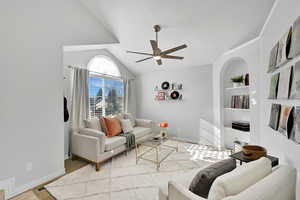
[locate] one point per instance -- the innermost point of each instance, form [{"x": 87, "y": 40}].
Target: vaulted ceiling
[{"x": 208, "y": 27}]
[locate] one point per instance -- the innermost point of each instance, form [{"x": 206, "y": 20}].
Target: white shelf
[
  {"x": 238, "y": 88},
  {"x": 236, "y": 130},
  {"x": 237, "y": 109}
]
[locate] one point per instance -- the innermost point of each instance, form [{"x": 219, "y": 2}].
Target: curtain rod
[{"x": 105, "y": 75}]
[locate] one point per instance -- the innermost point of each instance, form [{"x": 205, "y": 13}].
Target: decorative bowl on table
[{"x": 254, "y": 152}]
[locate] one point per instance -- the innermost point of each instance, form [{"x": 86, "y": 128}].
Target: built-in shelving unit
[{"x": 231, "y": 114}]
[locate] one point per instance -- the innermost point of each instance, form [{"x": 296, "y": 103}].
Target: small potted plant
[{"x": 237, "y": 81}]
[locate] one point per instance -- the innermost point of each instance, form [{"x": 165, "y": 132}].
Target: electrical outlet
[{"x": 29, "y": 167}]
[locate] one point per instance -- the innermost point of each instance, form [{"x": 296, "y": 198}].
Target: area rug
[{"x": 122, "y": 179}]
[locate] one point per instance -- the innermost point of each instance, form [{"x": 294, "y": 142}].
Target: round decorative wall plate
[
  {"x": 165, "y": 85},
  {"x": 174, "y": 95}
]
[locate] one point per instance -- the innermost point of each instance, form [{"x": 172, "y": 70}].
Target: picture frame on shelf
[
  {"x": 274, "y": 86},
  {"x": 295, "y": 82},
  {"x": 284, "y": 85},
  {"x": 295, "y": 135},
  {"x": 285, "y": 122},
  {"x": 295, "y": 46},
  {"x": 274, "y": 116}
]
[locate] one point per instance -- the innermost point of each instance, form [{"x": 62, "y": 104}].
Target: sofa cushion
[
  {"x": 239, "y": 179},
  {"x": 103, "y": 125},
  {"x": 93, "y": 124},
  {"x": 202, "y": 182},
  {"x": 126, "y": 126},
  {"x": 114, "y": 142},
  {"x": 141, "y": 131},
  {"x": 113, "y": 126},
  {"x": 131, "y": 118}
]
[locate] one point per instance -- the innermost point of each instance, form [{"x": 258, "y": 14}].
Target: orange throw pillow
[
  {"x": 113, "y": 126},
  {"x": 103, "y": 125}
]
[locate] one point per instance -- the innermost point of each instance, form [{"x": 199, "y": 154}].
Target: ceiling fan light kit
[{"x": 157, "y": 54}]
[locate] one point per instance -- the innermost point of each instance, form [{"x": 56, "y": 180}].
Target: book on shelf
[{"x": 240, "y": 101}]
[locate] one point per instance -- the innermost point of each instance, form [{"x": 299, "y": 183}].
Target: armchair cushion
[
  {"x": 240, "y": 179},
  {"x": 202, "y": 182}
]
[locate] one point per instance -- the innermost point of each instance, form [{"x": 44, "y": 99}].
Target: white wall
[
  {"x": 31, "y": 83},
  {"x": 284, "y": 14},
  {"x": 183, "y": 116},
  {"x": 250, "y": 55},
  {"x": 81, "y": 59},
  {"x": 256, "y": 53}
]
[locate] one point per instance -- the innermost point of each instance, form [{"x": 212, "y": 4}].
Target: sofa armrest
[
  {"x": 85, "y": 146},
  {"x": 144, "y": 123},
  {"x": 95, "y": 133},
  {"x": 178, "y": 192}
]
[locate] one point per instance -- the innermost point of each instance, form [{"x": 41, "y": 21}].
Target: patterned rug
[{"x": 122, "y": 179}]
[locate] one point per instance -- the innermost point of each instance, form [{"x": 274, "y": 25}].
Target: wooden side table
[{"x": 240, "y": 157}]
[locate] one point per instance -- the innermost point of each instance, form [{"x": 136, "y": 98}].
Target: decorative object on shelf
[
  {"x": 284, "y": 47},
  {"x": 274, "y": 116},
  {"x": 295, "y": 89},
  {"x": 165, "y": 85},
  {"x": 295, "y": 134},
  {"x": 242, "y": 158},
  {"x": 284, "y": 84},
  {"x": 247, "y": 79},
  {"x": 240, "y": 101},
  {"x": 175, "y": 95},
  {"x": 254, "y": 152},
  {"x": 164, "y": 129},
  {"x": 296, "y": 38},
  {"x": 274, "y": 86},
  {"x": 273, "y": 58},
  {"x": 237, "y": 81},
  {"x": 241, "y": 125},
  {"x": 168, "y": 91},
  {"x": 286, "y": 120}
]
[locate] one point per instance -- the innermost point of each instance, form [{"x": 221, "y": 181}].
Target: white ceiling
[{"x": 208, "y": 27}]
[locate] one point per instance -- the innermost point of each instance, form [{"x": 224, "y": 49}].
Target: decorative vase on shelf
[{"x": 247, "y": 79}]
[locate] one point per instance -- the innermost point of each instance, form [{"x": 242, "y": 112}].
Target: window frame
[{"x": 106, "y": 77}]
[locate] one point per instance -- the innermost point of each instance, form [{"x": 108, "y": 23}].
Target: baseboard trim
[{"x": 35, "y": 183}]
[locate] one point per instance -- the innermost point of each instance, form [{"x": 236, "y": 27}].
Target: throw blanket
[{"x": 130, "y": 139}]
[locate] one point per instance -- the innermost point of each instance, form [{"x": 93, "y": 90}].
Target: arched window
[
  {"x": 106, "y": 88},
  {"x": 103, "y": 65}
]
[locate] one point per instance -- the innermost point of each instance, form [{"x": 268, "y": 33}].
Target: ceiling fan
[{"x": 157, "y": 54}]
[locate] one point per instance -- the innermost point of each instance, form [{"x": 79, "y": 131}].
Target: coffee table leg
[
  {"x": 136, "y": 154},
  {"x": 157, "y": 162},
  {"x": 241, "y": 162}
]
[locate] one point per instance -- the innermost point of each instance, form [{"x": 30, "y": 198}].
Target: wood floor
[{"x": 40, "y": 193}]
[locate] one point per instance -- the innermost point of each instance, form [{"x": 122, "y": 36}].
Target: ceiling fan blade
[
  {"x": 153, "y": 44},
  {"x": 148, "y": 54},
  {"x": 159, "y": 62},
  {"x": 143, "y": 59},
  {"x": 172, "y": 57},
  {"x": 174, "y": 49}
]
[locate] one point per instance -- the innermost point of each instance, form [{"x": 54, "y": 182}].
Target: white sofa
[
  {"x": 278, "y": 184},
  {"x": 92, "y": 145}
]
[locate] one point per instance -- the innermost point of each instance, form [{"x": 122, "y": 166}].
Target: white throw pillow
[
  {"x": 126, "y": 125},
  {"x": 93, "y": 124},
  {"x": 130, "y": 117},
  {"x": 240, "y": 179}
]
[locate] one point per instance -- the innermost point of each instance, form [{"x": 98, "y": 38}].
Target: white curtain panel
[
  {"x": 126, "y": 95},
  {"x": 80, "y": 97}
]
